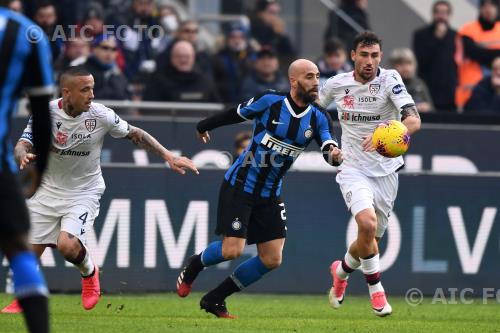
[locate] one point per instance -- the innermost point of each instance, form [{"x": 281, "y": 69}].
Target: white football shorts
[
  {"x": 49, "y": 216},
  {"x": 361, "y": 192}
]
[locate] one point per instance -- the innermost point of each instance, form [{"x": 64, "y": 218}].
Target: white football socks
[
  {"x": 369, "y": 267},
  {"x": 352, "y": 262},
  {"x": 86, "y": 267}
]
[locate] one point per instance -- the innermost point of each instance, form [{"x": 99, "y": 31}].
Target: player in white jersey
[
  {"x": 67, "y": 202},
  {"x": 366, "y": 97}
]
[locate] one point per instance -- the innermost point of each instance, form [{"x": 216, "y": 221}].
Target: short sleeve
[
  {"x": 254, "y": 107},
  {"x": 324, "y": 131},
  {"x": 396, "y": 90},
  {"x": 28, "y": 132},
  {"x": 118, "y": 128},
  {"x": 327, "y": 93}
]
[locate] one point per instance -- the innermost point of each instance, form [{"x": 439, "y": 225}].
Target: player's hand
[
  {"x": 203, "y": 137},
  {"x": 26, "y": 160},
  {"x": 181, "y": 164},
  {"x": 336, "y": 154},
  {"x": 367, "y": 143}
]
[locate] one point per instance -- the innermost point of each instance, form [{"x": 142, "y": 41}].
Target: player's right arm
[
  {"x": 244, "y": 111},
  {"x": 327, "y": 93},
  {"x": 23, "y": 153}
]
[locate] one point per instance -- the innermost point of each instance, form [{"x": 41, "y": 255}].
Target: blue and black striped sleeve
[
  {"x": 39, "y": 79},
  {"x": 244, "y": 111},
  {"x": 255, "y": 106},
  {"x": 325, "y": 136}
]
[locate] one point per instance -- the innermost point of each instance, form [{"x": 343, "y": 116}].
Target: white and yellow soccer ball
[{"x": 391, "y": 139}]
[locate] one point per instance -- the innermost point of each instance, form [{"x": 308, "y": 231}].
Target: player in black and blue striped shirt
[
  {"x": 25, "y": 62},
  {"x": 250, "y": 208}
]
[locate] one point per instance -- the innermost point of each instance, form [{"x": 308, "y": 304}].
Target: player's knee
[
  {"x": 367, "y": 225},
  {"x": 271, "y": 261},
  {"x": 231, "y": 252}
]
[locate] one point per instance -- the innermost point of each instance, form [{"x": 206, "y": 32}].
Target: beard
[{"x": 305, "y": 96}]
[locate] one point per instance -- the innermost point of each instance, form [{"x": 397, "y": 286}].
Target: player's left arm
[
  {"x": 326, "y": 140},
  {"x": 410, "y": 118},
  {"x": 146, "y": 141}
]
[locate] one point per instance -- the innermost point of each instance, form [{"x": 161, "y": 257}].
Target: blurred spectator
[
  {"x": 110, "y": 83},
  {"x": 268, "y": 28},
  {"x": 76, "y": 51},
  {"x": 486, "y": 94},
  {"x": 266, "y": 75},
  {"x": 93, "y": 21},
  {"x": 45, "y": 16},
  {"x": 189, "y": 31},
  {"x": 333, "y": 61},
  {"x": 136, "y": 40},
  {"x": 233, "y": 62},
  {"x": 179, "y": 81},
  {"x": 16, "y": 5},
  {"x": 403, "y": 60},
  {"x": 337, "y": 27},
  {"x": 434, "y": 47},
  {"x": 169, "y": 20},
  {"x": 478, "y": 45},
  {"x": 241, "y": 142}
]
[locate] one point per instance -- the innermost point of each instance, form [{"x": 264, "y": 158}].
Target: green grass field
[{"x": 257, "y": 313}]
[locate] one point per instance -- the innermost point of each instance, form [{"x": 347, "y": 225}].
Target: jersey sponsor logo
[
  {"x": 359, "y": 117},
  {"x": 397, "y": 89},
  {"x": 281, "y": 147},
  {"x": 80, "y": 136},
  {"x": 348, "y": 102},
  {"x": 367, "y": 99},
  {"x": 374, "y": 88},
  {"x": 90, "y": 124},
  {"x": 62, "y": 138},
  {"x": 77, "y": 153},
  {"x": 308, "y": 133}
]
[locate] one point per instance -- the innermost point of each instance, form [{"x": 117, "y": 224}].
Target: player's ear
[{"x": 353, "y": 54}]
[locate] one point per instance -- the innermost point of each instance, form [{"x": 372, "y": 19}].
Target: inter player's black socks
[
  {"x": 36, "y": 313},
  {"x": 223, "y": 290},
  {"x": 196, "y": 264}
]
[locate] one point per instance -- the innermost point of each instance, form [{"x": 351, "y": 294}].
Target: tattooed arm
[
  {"x": 411, "y": 118},
  {"x": 144, "y": 140}
]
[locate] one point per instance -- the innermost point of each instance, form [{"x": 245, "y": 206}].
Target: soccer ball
[{"x": 391, "y": 139}]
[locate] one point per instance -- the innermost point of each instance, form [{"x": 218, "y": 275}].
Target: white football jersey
[
  {"x": 361, "y": 107},
  {"x": 74, "y": 166}
]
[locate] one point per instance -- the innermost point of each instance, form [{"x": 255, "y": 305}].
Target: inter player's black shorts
[
  {"x": 14, "y": 218},
  {"x": 243, "y": 215}
]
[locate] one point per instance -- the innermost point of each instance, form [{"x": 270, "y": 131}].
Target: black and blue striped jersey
[
  {"x": 281, "y": 131},
  {"x": 25, "y": 61}
]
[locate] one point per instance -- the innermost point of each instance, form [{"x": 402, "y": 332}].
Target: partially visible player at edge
[
  {"x": 25, "y": 64},
  {"x": 67, "y": 202},
  {"x": 368, "y": 181},
  {"x": 250, "y": 207}
]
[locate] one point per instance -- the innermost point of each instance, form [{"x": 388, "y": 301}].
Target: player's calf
[
  {"x": 371, "y": 269},
  {"x": 212, "y": 255}
]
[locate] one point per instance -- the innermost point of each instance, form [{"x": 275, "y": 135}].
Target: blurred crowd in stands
[{"x": 156, "y": 54}]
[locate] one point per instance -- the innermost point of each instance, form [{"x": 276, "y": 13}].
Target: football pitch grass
[{"x": 258, "y": 313}]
